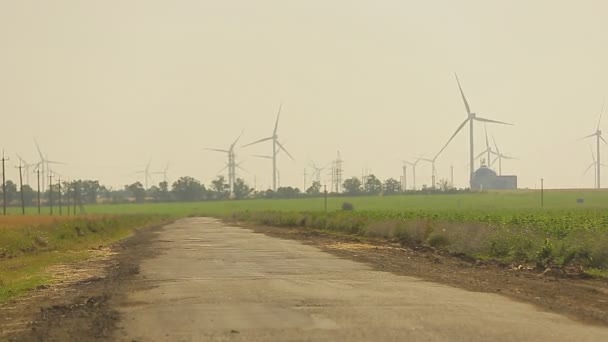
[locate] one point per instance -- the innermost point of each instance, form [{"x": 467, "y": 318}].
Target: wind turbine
[
  {"x": 164, "y": 172},
  {"x": 413, "y": 165},
  {"x": 499, "y": 156},
  {"x": 471, "y": 117},
  {"x": 487, "y": 151},
  {"x": 146, "y": 173},
  {"x": 44, "y": 164},
  {"x": 432, "y": 161},
  {"x": 232, "y": 164},
  {"x": 317, "y": 170},
  {"x": 276, "y": 147},
  {"x": 26, "y": 168},
  {"x": 598, "y": 136}
]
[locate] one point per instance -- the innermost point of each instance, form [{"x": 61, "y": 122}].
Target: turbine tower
[
  {"x": 231, "y": 165},
  {"x": 471, "y": 117},
  {"x": 146, "y": 173},
  {"x": 26, "y": 168},
  {"x": 413, "y": 165},
  {"x": 499, "y": 156},
  {"x": 434, "y": 171},
  {"x": 593, "y": 164},
  {"x": 598, "y": 136},
  {"x": 43, "y": 165},
  {"x": 276, "y": 147},
  {"x": 164, "y": 172}
]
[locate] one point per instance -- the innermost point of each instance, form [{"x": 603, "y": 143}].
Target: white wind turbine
[
  {"x": 499, "y": 157},
  {"x": 43, "y": 165},
  {"x": 26, "y": 168},
  {"x": 413, "y": 165},
  {"x": 232, "y": 165},
  {"x": 433, "y": 171},
  {"x": 598, "y": 136},
  {"x": 471, "y": 117},
  {"x": 146, "y": 172},
  {"x": 164, "y": 172},
  {"x": 276, "y": 147}
]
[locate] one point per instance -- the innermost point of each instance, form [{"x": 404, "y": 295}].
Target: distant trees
[
  {"x": 392, "y": 186},
  {"x": 137, "y": 191},
  {"x": 315, "y": 189},
  {"x": 188, "y": 189},
  {"x": 241, "y": 189},
  {"x": 352, "y": 186},
  {"x": 373, "y": 186}
]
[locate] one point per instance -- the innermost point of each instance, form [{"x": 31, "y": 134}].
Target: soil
[
  {"x": 78, "y": 308},
  {"x": 84, "y": 310},
  {"x": 568, "y": 292}
]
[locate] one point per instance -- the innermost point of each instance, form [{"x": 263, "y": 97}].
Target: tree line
[{"x": 189, "y": 189}]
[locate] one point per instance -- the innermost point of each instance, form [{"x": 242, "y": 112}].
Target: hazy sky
[{"x": 106, "y": 85}]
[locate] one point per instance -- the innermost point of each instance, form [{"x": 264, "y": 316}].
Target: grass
[
  {"x": 508, "y": 226},
  {"x": 30, "y": 245}
]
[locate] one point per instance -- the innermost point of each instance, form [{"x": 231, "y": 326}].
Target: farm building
[{"x": 485, "y": 178}]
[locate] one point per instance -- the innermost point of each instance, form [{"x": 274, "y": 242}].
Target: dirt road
[{"x": 215, "y": 282}]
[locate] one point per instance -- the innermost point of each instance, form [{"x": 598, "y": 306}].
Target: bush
[{"x": 346, "y": 206}]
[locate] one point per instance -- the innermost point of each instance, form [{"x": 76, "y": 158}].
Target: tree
[
  {"x": 287, "y": 192},
  {"x": 11, "y": 191},
  {"x": 220, "y": 187},
  {"x": 373, "y": 185},
  {"x": 163, "y": 191},
  {"x": 315, "y": 189},
  {"x": 137, "y": 190},
  {"x": 392, "y": 186},
  {"x": 188, "y": 189},
  {"x": 28, "y": 195},
  {"x": 352, "y": 186},
  {"x": 241, "y": 189}
]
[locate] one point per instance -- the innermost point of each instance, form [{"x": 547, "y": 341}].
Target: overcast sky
[{"x": 106, "y": 85}]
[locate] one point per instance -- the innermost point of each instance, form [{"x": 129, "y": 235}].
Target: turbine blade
[
  {"x": 284, "y": 150},
  {"x": 495, "y": 145},
  {"x": 604, "y": 140},
  {"x": 237, "y": 139},
  {"x": 217, "y": 150},
  {"x": 494, "y": 161},
  {"x": 589, "y": 167},
  {"x": 588, "y": 136},
  {"x": 38, "y": 148},
  {"x": 487, "y": 141},
  {"x": 261, "y": 156},
  {"x": 481, "y": 154},
  {"x": 276, "y": 124},
  {"x": 492, "y": 121},
  {"x": 601, "y": 113},
  {"x": 592, "y": 154},
  {"x": 55, "y": 162},
  {"x": 452, "y": 137},
  {"x": 466, "y": 103},
  {"x": 257, "y": 142}
]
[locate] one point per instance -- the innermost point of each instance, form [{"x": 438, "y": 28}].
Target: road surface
[{"x": 216, "y": 282}]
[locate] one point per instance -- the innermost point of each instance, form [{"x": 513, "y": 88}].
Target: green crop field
[
  {"x": 522, "y": 200},
  {"x": 507, "y": 226}
]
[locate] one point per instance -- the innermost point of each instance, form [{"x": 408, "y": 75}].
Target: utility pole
[
  {"x": 325, "y": 195},
  {"x": 21, "y": 187},
  {"x": 67, "y": 193},
  {"x": 304, "y": 189},
  {"x": 51, "y": 191},
  {"x": 3, "y": 185},
  {"x": 542, "y": 193},
  {"x": 76, "y": 196},
  {"x": 38, "y": 175},
  {"x": 59, "y": 195}
]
